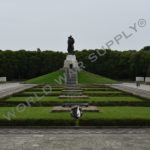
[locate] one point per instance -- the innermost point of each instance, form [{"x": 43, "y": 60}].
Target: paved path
[
  {"x": 143, "y": 90},
  {"x": 142, "y": 86},
  {"x": 69, "y": 139},
  {"x": 7, "y": 89}
]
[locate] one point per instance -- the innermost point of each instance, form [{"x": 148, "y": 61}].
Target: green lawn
[
  {"x": 43, "y": 89},
  {"x": 106, "y": 113},
  {"x": 84, "y": 78},
  {"x": 117, "y": 116},
  {"x": 33, "y": 113},
  {"x": 116, "y": 98},
  {"x": 90, "y": 78},
  {"x": 120, "y": 113},
  {"x": 41, "y": 99},
  {"x": 50, "y": 78},
  {"x": 54, "y": 98},
  {"x": 36, "y": 116},
  {"x": 41, "y": 92},
  {"x": 99, "y": 89},
  {"x": 107, "y": 92},
  {"x": 116, "y": 107},
  {"x": 59, "y": 92}
]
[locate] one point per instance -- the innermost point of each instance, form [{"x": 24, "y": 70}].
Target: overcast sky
[{"x": 28, "y": 24}]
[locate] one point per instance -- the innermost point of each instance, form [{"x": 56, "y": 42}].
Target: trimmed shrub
[
  {"x": 38, "y": 122},
  {"x": 114, "y": 122}
]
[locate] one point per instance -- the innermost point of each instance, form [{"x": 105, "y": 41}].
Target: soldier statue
[{"x": 71, "y": 42}]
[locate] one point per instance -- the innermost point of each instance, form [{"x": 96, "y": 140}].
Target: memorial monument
[
  {"x": 71, "y": 69},
  {"x": 71, "y": 64},
  {"x": 72, "y": 89}
]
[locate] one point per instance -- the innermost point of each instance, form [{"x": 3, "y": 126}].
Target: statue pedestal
[
  {"x": 71, "y": 62},
  {"x": 72, "y": 89},
  {"x": 71, "y": 70}
]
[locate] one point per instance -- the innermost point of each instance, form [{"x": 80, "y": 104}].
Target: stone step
[
  {"x": 71, "y": 82},
  {"x": 70, "y": 77},
  {"x": 73, "y": 97},
  {"x": 75, "y": 104},
  {"x": 68, "y": 109},
  {"x": 72, "y": 90},
  {"x": 71, "y": 86},
  {"x": 72, "y": 93}
]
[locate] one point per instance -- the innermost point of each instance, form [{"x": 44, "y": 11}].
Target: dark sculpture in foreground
[
  {"x": 76, "y": 112},
  {"x": 71, "y": 42}
]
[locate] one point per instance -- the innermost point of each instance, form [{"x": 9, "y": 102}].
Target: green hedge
[
  {"x": 99, "y": 89},
  {"x": 105, "y": 94},
  {"x": 38, "y": 122},
  {"x": 41, "y": 90},
  {"x": 38, "y": 94},
  {"x": 95, "y": 103},
  {"x": 53, "y": 86},
  {"x": 114, "y": 122},
  {"x": 82, "y": 122}
]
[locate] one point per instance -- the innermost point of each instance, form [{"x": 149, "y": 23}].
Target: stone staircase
[
  {"x": 71, "y": 77},
  {"x": 72, "y": 89}
]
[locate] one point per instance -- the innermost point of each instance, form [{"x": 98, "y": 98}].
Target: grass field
[
  {"x": 50, "y": 78},
  {"x": 106, "y": 113},
  {"x": 107, "y": 116},
  {"x": 33, "y": 106},
  {"x": 54, "y": 98},
  {"x": 127, "y": 100},
  {"x": 84, "y": 78},
  {"x": 90, "y": 78}
]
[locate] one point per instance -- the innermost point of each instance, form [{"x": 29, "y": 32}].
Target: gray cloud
[{"x": 29, "y": 24}]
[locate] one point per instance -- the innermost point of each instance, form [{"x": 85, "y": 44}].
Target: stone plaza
[{"x": 73, "y": 139}]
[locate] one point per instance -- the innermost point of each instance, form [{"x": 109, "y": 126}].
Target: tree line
[
  {"x": 20, "y": 65},
  {"x": 120, "y": 65}
]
